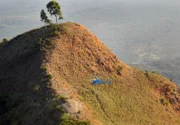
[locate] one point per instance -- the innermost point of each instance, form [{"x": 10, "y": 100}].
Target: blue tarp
[{"x": 98, "y": 81}]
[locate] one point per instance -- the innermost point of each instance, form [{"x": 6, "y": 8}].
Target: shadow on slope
[{"x": 26, "y": 95}]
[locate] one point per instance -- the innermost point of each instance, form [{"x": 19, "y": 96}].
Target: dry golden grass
[
  {"x": 72, "y": 59},
  {"x": 132, "y": 99}
]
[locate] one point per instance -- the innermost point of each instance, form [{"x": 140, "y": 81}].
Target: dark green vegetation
[
  {"x": 3, "y": 42},
  {"x": 44, "y": 17},
  {"x": 54, "y": 8}
]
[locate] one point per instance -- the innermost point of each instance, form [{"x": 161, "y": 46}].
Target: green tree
[
  {"x": 44, "y": 17},
  {"x": 54, "y": 8}
]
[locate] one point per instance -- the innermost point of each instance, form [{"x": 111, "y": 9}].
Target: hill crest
[{"x": 54, "y": 68}]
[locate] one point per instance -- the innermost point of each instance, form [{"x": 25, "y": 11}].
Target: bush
[
  {"x": 37, "y": 87},
  {"x": 62, "y": 98},
  {"x": 44, "y": 44},
  {"x": 66, "y": 120},
  {"x": 146, "y": 73},
  {"x": 49, "y": 76},
  {"x": 71, "y": 122},
  {"x": 164, "y": 101},
  {"x": 119, "y": 70},
  {"x": 5, "y": 40}
]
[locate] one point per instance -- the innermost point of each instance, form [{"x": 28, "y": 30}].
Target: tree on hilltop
[
  {"x": 44, "y": 17},
  {"x": 54, "y": 9}
]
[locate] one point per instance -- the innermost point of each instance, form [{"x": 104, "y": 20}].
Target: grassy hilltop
[{"x": 46, "y": 79}]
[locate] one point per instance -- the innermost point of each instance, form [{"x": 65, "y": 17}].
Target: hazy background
[{"x": 143, "y": 33}]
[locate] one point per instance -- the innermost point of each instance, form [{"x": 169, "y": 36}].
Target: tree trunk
[{"x": 56, "y": 19}]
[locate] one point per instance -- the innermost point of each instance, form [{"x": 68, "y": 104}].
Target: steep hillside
[{"x": 46, "y": 78}]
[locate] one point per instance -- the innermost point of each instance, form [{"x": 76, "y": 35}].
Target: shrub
[
  {"x": 62, "y": 98},
  {"x": 119, "y": 69},
  {"x": 5, "y": 40},
  {"x": 146, "y": 73},
  {"x": 37, "y": 87},
  {"x": 48, "y": 76},
  {"x": 43, "y": 69},
  {"x": 164, "y": 101},
  {"x": 66, "y": 120},
  {"x": 71, "y": 122}
]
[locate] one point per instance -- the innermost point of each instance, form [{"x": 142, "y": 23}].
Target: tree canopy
[
  {"x": 54, "y": 8},
  {"x": 44, "y": 17}
]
